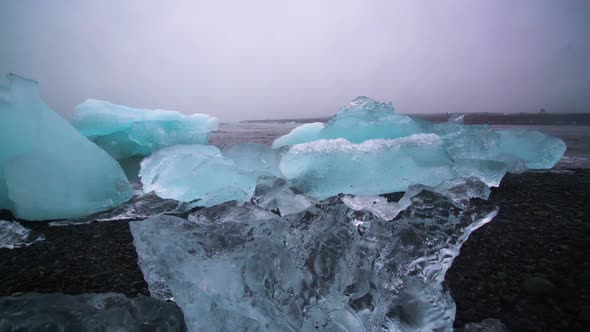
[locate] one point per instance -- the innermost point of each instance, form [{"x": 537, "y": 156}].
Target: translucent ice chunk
[
  {"x": 305, "y": 133},
  {"x": 459, "y": 191},
  {"x": 363, "y": 119},
  {"x": 48, "y": 170},
  {"x": 327, "y": 167},
  {"x": 328, "y": 268},
  {"x": 203, "y": 173},
  {"x": 274, "y": 194},
  {"x": 140, "y": 206},
  {"x": 124, "y": 131},
  {"x": 88, "y": 312},
  {"x": 14, "y": 235}
]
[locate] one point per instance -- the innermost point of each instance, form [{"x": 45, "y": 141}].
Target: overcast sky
[{"x": 292, "y": 59}]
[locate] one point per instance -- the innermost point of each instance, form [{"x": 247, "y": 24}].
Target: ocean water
[{"x": 577, "y": 137}]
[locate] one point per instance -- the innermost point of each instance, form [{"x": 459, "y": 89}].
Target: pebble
[
  {"x": 538, "y": 286},
  {"x": 584, "y": 314}
]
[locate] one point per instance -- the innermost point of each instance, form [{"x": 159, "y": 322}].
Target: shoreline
[{"x": 540, "y": 233}]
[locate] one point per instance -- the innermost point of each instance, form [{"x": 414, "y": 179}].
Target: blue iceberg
[
  {"x": 368, "y": 149},
  {"x": 365, "y": 119},
  {"x": 48, "y": 170},
  {"x": 206, "y": 175},
  {"x": 125, "y": 132}
]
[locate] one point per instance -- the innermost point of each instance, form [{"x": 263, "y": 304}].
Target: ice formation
[
  {"x": 459, "y": 191},
  {"x": 325, "y": 168},
  {"x": 205, "y": 175},
  {"x": 243, "y": 268},
  {"x": 14, "y": 235},
  {"x": 140, "y": 206},
  {"x": 274, "y": 194},
  {"x": 124, "y": 131},
  {"x": 365, "y": 119},
  {"x": 48, "y": 170},
  {"x": 88, "y": 312}
]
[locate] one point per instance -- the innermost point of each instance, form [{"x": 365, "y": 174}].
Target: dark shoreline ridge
[{"x": 529, "y": 267}]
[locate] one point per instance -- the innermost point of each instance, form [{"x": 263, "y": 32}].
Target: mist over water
[{"x": 298, "y": 59}]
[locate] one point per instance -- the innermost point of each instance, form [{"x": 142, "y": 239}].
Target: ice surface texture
[
  {"x": 207, "y": 175},
  {"x": 124, "y": 131},
  {"x": 365, "y": 119},
  {"x": 14, "y": 235},
  {"x": 88, "y": 312},
  {"x": 329, "y": 268},
  {"x": 48, "y": 170}
]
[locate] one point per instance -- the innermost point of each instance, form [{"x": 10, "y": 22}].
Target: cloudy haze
[{"x": 291, "y": 59}]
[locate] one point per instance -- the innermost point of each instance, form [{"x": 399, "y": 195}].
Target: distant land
[{"x": 539, "y": 119}]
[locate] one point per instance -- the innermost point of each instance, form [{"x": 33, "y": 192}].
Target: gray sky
[{"x": 291, "y": 59}]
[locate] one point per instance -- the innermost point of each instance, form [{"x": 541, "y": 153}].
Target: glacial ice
[
  {"x": 140, "y": 206},
  {"x": 48, "y": 170},
  {"x": 205, "y": 175},
  {"x": 459, "y": 191},
  {"x": 14, "y": 235},
  {"x": 88, "y": 312},
  {"x": 274, "y": 194},
  {"x": 125, "y": 132},
  {"x": 365, "y": 119},
  {"x": 242, "y": 268},
  {"x": 326, "y": 168}
]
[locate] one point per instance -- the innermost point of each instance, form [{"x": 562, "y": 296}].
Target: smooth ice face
[
  {"x": 14, "y": 235},
  {"x": 88, "y": 312},
  {"x": 124, "y": 131},
  {"x": 206, "y": 176},
  {"x": 363, "y": 119},
  {"x": 48, "y": 170},
  {"x": 305, "y": 133},
  {"x": 329, "y": 268},
  {"x": 326, "y": 168},
  {"x": 519, "y": 149}
]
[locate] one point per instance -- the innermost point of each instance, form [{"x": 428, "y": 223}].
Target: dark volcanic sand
[{"x": 541, "y": 232}]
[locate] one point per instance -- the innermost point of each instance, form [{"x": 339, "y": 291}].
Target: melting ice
[
  {"x": 329, "y": 268},
  {"x": 48, "y": 170},
  {"x": 125, "y": 132}
]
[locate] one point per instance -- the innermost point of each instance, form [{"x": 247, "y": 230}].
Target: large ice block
[
  {"x": 88, "y": 312},
  {"x": 124, "y": 131},
  {"x": 365, "y": 119},
  {"x": 328, "y": 268},
  {"x": 205, "y": 175},
  {"x": 48, "y": 170},
  {"x": 326, "y": 168}
]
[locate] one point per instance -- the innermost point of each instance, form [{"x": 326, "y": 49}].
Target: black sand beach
[{"x": 529, "y": 267}]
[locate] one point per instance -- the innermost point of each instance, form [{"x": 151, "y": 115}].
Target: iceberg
[
  {"x": 242, "y": 268},
  {"x": 125, "y": 132},
  {"x": 363, "y": 119},
  {"x": 325, "y": 168},
  {"x": 88, "y": 312},
  {"x": 205, "y": 175},
  {"x": 366, "y": 119},
  {"x": 48, "y": 170},
  {"x": 14, "y": 235}
]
